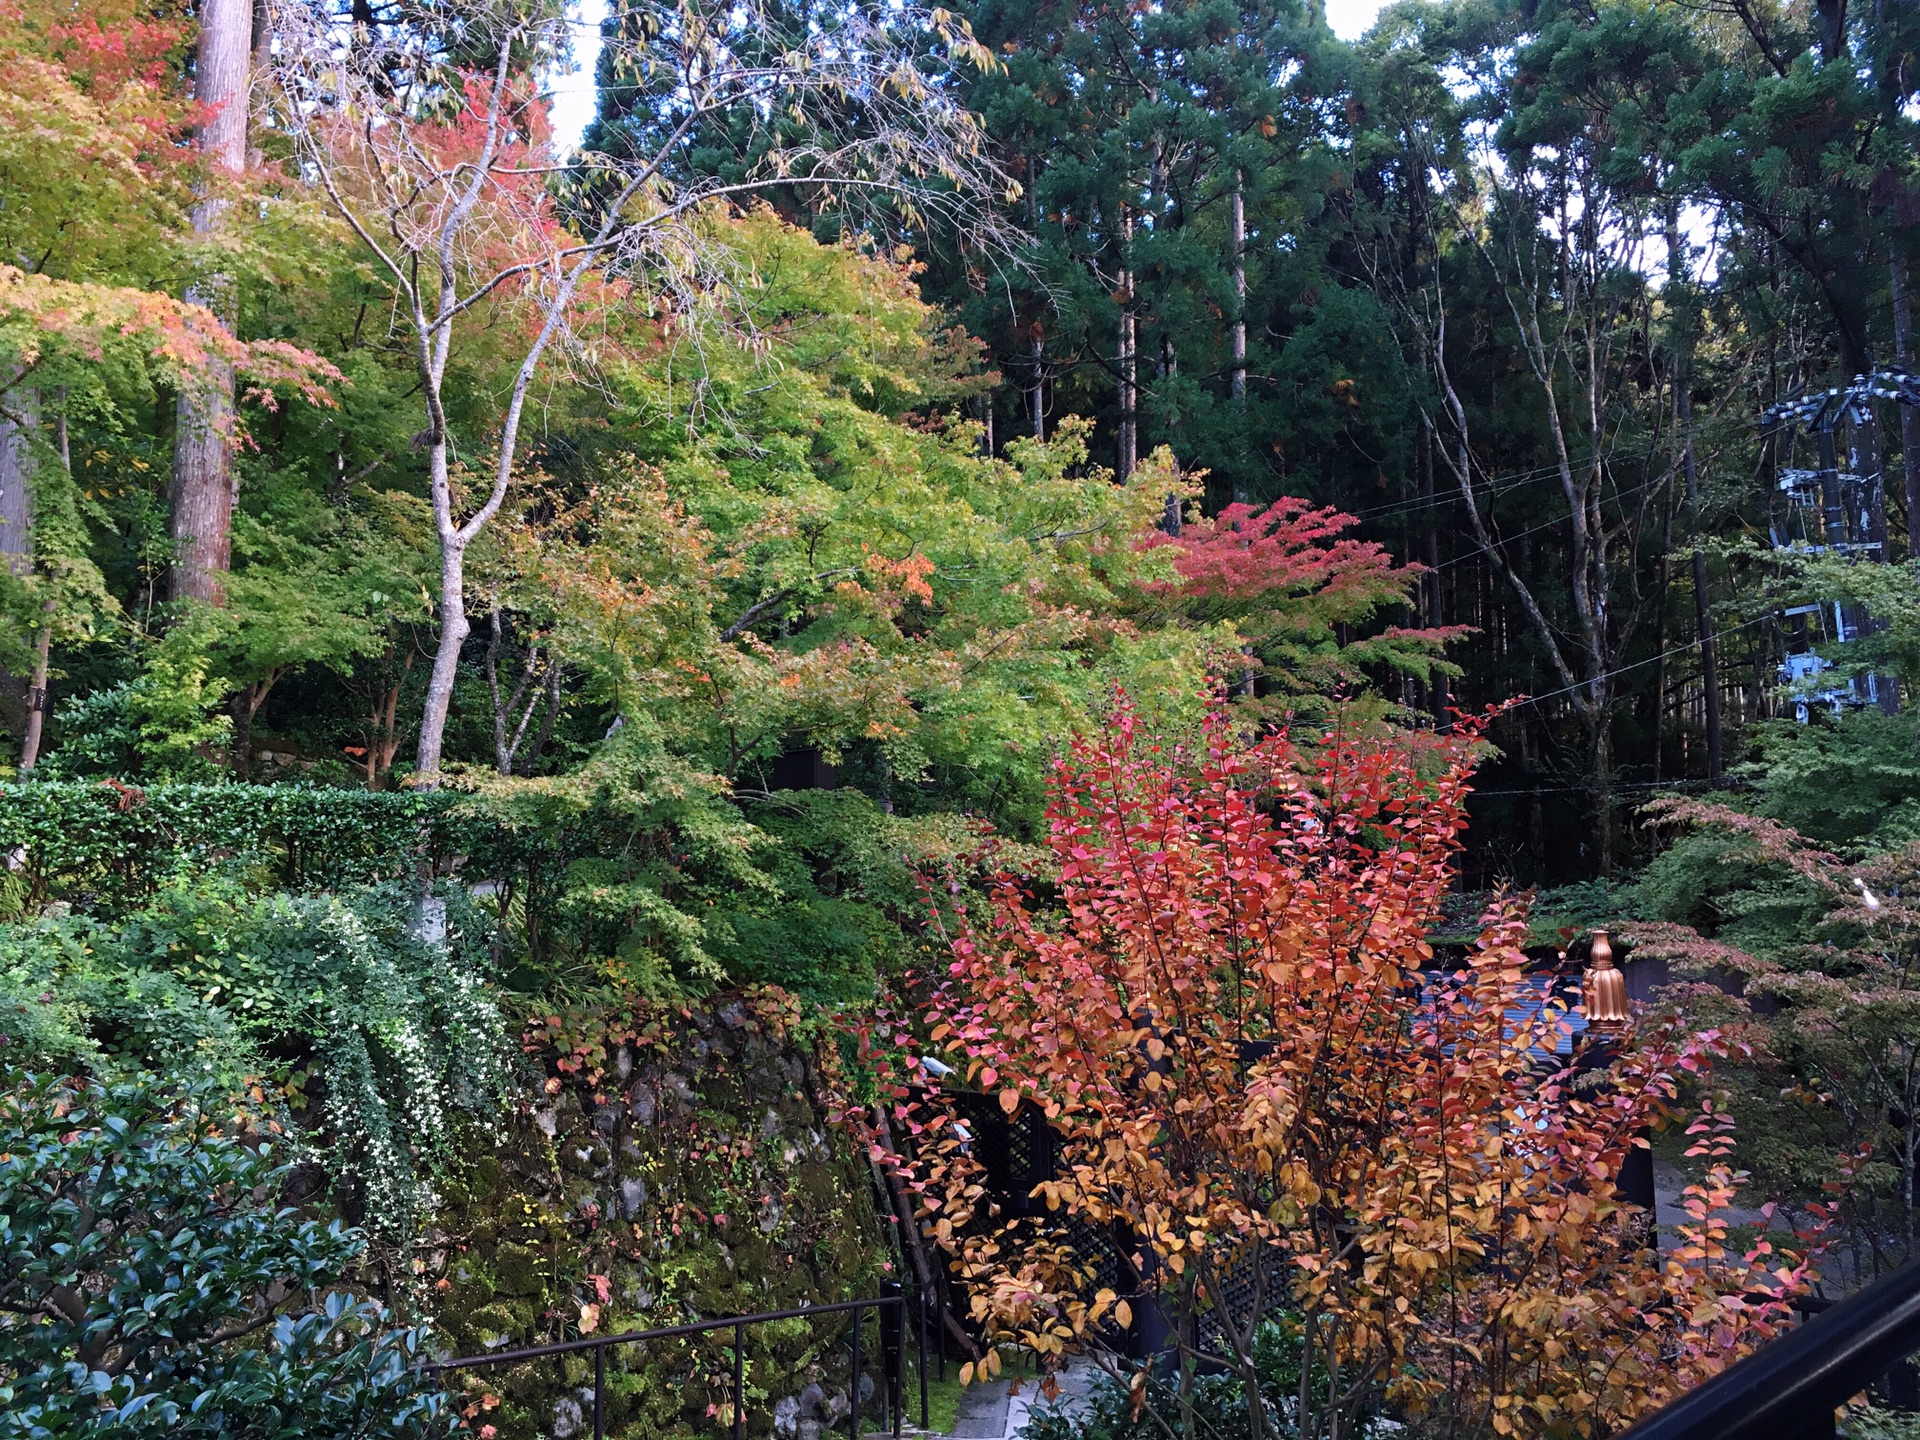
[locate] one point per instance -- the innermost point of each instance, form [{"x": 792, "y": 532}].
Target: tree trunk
[
  {"x": 1238, "y": 382},
  {"x": 1663, "y": 589},
  {"x": 1909, "y": 414},
  {"x": 1169, "y": 375},
  {"x": 245, "y": 709},
  {"x": 203, "y": 470},
  {"x": 17, "y": 417},
  {"x": 1036, "y": 349},
  {"x": 202, "y": 488},
  {"x": 1678, "y": 274},
  {"x": 524, "y": 698},
  {"x": 1432, "y": 609},
  {"x": 383, "y": 737},
  {"x": 454, "y": 629},
  {"x": 1703, "y": 621},
  {"x": 553, "y": 714},
  {"x": 1036, "y": 337},
  {"x": 1127, "y": 450},
  {"x": 1602, "y": 722},
  {"x": 1830, "y": 23},
  {"x": 260, "y": 62},
  {"x": 36, "y": 702},
  {"x": 1239, "y": 222},
  {"x": 1863, "y": 460},
  {"x": 16, "y": 468},
  {"x": 37, "y": 698}
]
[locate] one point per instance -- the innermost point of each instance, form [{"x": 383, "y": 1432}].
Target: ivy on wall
[
  {"x": 384, "y": 1047},
  {"x": 677, "y": 1163}
]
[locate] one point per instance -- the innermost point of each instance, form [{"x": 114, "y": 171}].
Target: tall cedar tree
[{"x": 203, "y": 465}]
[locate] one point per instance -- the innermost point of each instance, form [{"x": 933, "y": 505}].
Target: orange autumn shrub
[{"x": 1264, "y": 1096}]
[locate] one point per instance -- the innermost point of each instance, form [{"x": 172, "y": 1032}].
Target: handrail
[
  {"x": 667, "y": 1332},
  {"x": 600, "y": 1344},
  {"x": 1793, "y": 1385}
]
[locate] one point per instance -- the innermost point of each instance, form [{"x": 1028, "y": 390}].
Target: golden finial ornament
[{"x": 1603, "y": 989}]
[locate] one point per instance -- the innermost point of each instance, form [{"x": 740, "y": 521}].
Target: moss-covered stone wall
[{"x": 695, "y": 1178}]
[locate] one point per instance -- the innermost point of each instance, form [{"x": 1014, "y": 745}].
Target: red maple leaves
[{"x": 1302, "y": 592}]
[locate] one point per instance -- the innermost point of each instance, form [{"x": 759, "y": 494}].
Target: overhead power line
[{"x": 1622, "y": 670}]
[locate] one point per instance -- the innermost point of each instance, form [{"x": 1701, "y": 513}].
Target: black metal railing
[
  {"x": 893, "y": 1386},
  {"x": 1790, "y": 1388}
]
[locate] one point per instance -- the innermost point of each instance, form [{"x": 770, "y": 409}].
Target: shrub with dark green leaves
[
  {"x": 152, "y": 1284},
  {"x": 1849, "y": 782}
]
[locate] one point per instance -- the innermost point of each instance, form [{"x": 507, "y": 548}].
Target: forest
[
  {"x": 1512, "y": 288},
  {"x": 502, "y": 627}
]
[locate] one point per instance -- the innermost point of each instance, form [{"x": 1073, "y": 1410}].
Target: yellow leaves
[
  {"x": 983, "y": 1369},
  {"x": 1301, "y": 1186},
  {"x": 1393, "y": 1162},
  {"x": 1416, "y": 1258},
  {"x": 1108, "y": 1302}
]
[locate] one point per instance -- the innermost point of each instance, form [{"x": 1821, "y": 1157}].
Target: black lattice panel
[{"x": 1240, "y": 1297}]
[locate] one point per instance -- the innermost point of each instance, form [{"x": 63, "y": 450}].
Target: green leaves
[
  {"x": 381, "y": 1043},
  {"x": 72, "y": 838},
  {"x": 168, "y": 1294}
]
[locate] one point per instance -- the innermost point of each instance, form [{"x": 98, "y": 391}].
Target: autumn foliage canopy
[
  {"x": 1302, "y": 591},
  {"x": 1266, "y": 1099}
]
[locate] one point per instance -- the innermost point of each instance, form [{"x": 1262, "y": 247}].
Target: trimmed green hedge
[{"x": 90, "y": 840}]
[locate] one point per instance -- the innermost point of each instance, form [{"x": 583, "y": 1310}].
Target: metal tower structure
[{"x": 1843, "y": 512}]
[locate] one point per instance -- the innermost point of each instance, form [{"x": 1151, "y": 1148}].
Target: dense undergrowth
[
  {"x": 634, "y": 1142},
  {"x": 545, "y": 1106}
]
